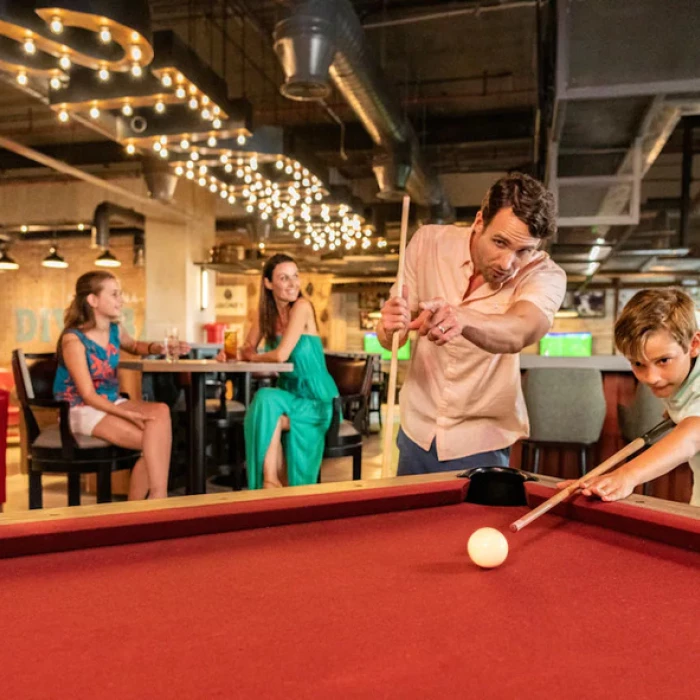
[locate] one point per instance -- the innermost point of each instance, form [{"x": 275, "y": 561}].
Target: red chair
[
  {"x": 7, "y": 383},
  {"x": 4, "y": 403}
]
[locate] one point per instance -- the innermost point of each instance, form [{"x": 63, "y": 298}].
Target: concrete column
[{"x": 173, "y": 281}]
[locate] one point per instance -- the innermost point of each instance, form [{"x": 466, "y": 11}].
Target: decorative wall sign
[{"x": 231, "y": 300}]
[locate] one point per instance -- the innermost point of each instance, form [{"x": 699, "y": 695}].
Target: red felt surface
[{"x": 383, "y": 606}]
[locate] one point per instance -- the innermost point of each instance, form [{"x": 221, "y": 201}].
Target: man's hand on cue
[
  {"x": 438, "y": 321},
  {"x": 395, "y": 314}
]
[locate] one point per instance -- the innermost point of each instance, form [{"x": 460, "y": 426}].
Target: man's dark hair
[{"x": 530, "y": 200}]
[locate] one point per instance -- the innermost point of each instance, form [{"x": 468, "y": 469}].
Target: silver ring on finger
[{"x": 442, "y": 329}]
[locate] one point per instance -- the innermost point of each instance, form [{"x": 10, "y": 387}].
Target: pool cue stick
[
  {"x": 393, "y": 369},
  {"x": 627, "y": 451}
]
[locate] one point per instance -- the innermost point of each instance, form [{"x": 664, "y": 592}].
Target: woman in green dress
[{"x": 287, "y": 425}]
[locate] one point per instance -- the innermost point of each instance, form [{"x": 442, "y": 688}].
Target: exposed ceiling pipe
[
  {"x": 101, "y": 229},
  {"x": 102, "y": 217},
  {"x": 476, "y": 10},
  {"x": 323, "y": 38}
]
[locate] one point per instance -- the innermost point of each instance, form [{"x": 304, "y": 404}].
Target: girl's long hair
[
  {"x": 267, "y": 309},
  {"x": 79, "y": 313}
]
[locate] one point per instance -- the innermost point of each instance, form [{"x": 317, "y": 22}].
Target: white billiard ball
[{"x": 487, "y": 547}]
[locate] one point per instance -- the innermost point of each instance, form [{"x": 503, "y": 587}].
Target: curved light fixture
[
  {"x": 6, "y": 262},
  {"x": 107, "y": 260},
  {"x": 53, "y": 259}
]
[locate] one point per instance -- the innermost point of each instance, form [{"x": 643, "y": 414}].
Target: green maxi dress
[{"x": 306, "y": 396}]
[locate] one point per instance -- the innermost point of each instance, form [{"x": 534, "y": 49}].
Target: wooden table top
[{"x": 205, "y": 366}]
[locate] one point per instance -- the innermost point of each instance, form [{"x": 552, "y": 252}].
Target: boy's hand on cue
[{"x": 607, "y": 487}]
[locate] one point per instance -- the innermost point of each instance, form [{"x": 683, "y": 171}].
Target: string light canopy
[
  {"x": 54, "y": 259},
  {"x": 106, "y": 259},
  {"x": 179, "y": 97},
  {"x": 275, "y": 187},
  {"x": 104, "y": 36}
]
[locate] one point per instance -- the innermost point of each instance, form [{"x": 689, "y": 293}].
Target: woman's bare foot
[{"x": 267, "y": 484}]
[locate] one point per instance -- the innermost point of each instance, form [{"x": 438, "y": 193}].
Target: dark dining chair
[
  {"x": 353, "y": 377},
  {"x": 56, "y": 449}
]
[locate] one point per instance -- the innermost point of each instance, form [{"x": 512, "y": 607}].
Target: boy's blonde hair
[{"x": 653, "y": 310}]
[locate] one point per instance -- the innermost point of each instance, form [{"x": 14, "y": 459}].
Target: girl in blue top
[{"x": 88, "y": 355}]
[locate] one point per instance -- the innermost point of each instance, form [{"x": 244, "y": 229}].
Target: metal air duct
[{"x": 324, "y": 38}]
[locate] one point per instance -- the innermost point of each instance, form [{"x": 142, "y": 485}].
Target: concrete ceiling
[{"x": 473, "y": 79}]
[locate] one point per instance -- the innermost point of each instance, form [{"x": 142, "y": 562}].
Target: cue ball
[{"x": 487, "y": 547}]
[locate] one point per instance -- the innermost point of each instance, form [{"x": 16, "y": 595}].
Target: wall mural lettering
[{"x": 44, "y": 325}]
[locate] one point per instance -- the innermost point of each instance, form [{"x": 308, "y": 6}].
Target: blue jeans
[{"x": 413, "y": 459}]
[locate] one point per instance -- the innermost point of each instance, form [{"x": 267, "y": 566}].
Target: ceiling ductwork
[
  {"x": 101, "y": 227},
  {"x": 161, "y": 181},
  {"x": 324, "y": 39}
]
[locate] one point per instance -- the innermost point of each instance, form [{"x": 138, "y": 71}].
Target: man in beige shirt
[{"x": 477, "y": 297}]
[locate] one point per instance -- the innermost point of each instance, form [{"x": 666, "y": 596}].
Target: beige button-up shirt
[{"x": 467, "y": 399}]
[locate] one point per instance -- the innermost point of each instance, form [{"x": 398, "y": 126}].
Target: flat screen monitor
[
  {"x": 567, "y": 345},
  {"x": 371, "y": 344}
]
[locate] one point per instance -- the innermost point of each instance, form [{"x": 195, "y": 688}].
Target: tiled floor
[{"x": 55, "y": 493}]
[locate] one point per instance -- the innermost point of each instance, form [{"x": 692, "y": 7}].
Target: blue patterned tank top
[{"x": 102, "y": 363}]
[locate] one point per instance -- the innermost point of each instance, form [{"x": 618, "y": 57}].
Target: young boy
[{"x": 658, "y": 333}]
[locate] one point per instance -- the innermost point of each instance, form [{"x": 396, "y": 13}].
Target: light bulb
[
  {"x": 160, "y": 107},
  {"x": 105, "y": 35},
  {"x": 56, "y": 25},
  {"x": 180, "y": 93},
  {"x": 184, "y": 144},
  {"x": 163, "y": 153},
  {"x": 103, "y": 75},
  {"x": 136, "y": 70},
  {"x": 94, "y": 112},
  {"x": 136, "y": 53},
  {"x": 228, "y": 168},
  {"x": 179, "y": 170},
  {"x": 194, "y": 155},
  {"x": 193, "y": 104},
  {"x": 157, "y": 146},
  {"x": 211, "y": 142},
  {"x": 64, "y": 62},
  {"x": 55, "y": 83},
  {"x": 166, "y": 80},
  {"x": 130, "y": 149},
  {"x": 63, "y": 116},
  {"x": 127, "y": 110},
  {"x": 216, "y": 123},
  {"x": 29, "y": 46},
  {"x": 241, "y": 140},
  {"x": 22, "y": 78}
]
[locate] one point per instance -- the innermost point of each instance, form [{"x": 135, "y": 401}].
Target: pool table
[{"x": 356, "y": 591}]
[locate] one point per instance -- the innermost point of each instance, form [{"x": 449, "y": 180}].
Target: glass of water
[{"x": 172, "y": 344}]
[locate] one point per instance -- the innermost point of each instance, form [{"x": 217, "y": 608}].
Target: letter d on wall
[{"x": 26, "y": 325}]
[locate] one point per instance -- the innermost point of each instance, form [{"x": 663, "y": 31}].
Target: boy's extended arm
[{"x": 682, "y": 443}]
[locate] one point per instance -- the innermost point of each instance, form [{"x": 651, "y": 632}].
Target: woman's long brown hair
[
  {"x": 267, "y": 309},
  {"x": 79, "y": 313}
]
